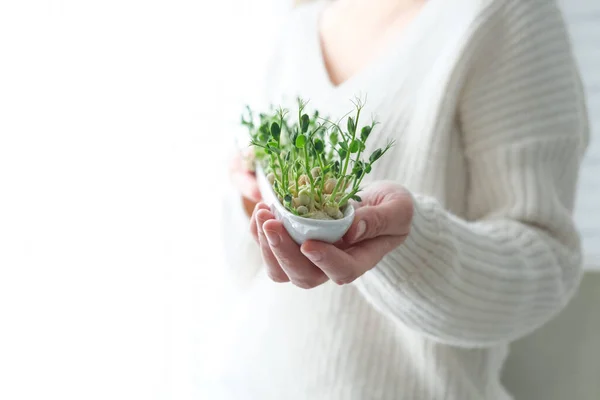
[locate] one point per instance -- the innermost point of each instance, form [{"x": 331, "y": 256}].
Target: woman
[{"x": 464, "y": 240}]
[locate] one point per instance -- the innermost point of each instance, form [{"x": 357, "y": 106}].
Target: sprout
[{"x": 316, "y": 166}]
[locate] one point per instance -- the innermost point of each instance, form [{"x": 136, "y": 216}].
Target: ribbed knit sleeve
[{"x": 514, "y": 261}]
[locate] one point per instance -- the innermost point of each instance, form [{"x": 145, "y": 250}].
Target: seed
[
  {"x": 330, "y": 185},
  {"x": 339, "y": 215},
  {"x": 303, "y": 180},
  {"x": 302, "y": 210},
  {"x": 271, "y": 178},
  {"x": 316, "y": 171},
  {"x": 332, "y": 211},
  {"x": 304, "y": 197}
]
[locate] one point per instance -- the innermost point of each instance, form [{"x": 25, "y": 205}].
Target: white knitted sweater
[{"x": 484, "y": 100}]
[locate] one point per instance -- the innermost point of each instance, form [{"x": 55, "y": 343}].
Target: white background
[{"x": 113, "y": 119}]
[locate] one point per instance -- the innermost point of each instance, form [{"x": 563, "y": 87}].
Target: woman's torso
[{"x": 329, "y": 342}]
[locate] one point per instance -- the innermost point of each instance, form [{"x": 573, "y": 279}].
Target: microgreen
[{"x": 313, "y": 164}]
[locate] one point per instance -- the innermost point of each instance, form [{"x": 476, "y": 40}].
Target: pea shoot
[{"x": 315, "y": 166}]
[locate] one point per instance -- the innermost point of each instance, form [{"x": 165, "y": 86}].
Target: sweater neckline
[{"x": 392, "y": 50}]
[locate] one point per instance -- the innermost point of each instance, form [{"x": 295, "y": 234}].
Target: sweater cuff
[{"x": 405, "y": 262}]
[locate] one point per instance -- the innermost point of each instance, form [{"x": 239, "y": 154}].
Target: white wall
[{"x": 583, "y": 17}]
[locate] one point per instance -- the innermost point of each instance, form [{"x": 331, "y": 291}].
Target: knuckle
[{"x": 377, "y": 224}]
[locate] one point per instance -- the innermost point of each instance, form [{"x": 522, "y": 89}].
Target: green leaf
[
  {"x": 356, "y": 198},
  {"x": 333, "y": 138},
  {"x": 326, "y": 169},
  {"x": 287, "y": 198},
  {"x": 375, "y": 155},
  {"x": 301, "y": 141},
  {"x": 344, "y": 145},
  {"x": 343, "y": 153},
  {"x": 274, "y": 149},
  {"x": 319, "y": 146},
  {"x": 304, "y": 122},
  {"x": 275, "y": 130},
  {"x": 368, "y": 168},
  {"x": 364, "y": 134},
  {"x": 358, "y": 169},
  {"x": 354, "y": 146},
  {"x": 351, "y": 127}
]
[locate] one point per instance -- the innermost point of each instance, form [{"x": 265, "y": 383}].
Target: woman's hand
[
  {"x": 381, "y": 224},
  {"x": 245, "y": 181}
]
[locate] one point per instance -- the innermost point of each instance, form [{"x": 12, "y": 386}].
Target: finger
[
  {"x": 301, "y": 271},
  {"x": 274, "y": 270},
  {"x": 344, "y": 267},
  {"x": 253, "y": 226},
  {"x": 391, "y": 217}
]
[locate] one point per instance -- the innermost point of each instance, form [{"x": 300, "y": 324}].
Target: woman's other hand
[
  {"x": 382, "y": 223},
  {"x": 244, "y": 180}
]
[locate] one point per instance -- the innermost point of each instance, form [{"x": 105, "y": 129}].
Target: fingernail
[
  {"x": 273, "y": 238},
  {"x": 360, "y": 229},
  {"x": 312, "y": 255}
]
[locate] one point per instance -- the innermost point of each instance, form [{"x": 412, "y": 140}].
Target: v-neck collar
[{"x": 390, "y": 53}]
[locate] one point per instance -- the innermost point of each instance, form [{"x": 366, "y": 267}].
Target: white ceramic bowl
[{"x": 303, "y": 229}]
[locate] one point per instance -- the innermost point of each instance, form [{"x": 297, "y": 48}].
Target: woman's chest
[{"x": 352, "y": 35}]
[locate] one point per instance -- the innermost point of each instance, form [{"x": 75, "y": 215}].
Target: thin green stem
[
  {"x": 322, "y": 166},
  {"x": 345, "y": 168},
  {"x": 307, "y": 169},
  {"x": 283, "y": 171}
]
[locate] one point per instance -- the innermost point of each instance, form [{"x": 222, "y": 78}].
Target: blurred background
[{"x": 115, "y": 119}]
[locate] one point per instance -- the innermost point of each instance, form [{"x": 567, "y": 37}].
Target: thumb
[{"x": 390, "y": 217}]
